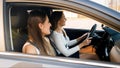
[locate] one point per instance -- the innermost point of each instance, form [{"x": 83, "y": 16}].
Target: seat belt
[{"x": 53, "y": 45}]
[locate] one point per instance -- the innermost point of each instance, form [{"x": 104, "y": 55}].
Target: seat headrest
[{"x": 19, "y": 18}]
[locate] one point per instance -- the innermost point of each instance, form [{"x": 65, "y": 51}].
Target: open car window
[
  {"x": 76, "y": 25},
  {"x": 78, "y": 21}
]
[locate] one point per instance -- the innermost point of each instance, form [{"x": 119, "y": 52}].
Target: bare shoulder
[{"x": 29, "y": 49}]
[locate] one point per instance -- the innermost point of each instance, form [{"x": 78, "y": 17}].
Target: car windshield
[{"x": 113, "y": 4}]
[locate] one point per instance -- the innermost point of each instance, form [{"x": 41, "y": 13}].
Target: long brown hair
[{"x": 34, "y": 31}]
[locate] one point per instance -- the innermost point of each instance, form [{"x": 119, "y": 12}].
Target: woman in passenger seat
[
  {"x": 60, "y": 38},
  {"x": 38, "y": 29}
]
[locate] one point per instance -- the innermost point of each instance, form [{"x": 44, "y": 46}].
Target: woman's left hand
[{"x": 87, "y": 41}]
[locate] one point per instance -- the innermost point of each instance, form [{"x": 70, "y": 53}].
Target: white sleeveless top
[{"x": 27, "y": 44}]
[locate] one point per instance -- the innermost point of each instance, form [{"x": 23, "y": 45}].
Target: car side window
[{"x": 78, "y": 21}]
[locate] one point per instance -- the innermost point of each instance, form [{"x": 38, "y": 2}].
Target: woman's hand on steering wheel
[
  {"x": 83, "y": 37},
  {"x": 86, "y": 42}
]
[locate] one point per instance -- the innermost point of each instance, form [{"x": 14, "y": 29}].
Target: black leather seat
[{"x": 19, "y": 28}]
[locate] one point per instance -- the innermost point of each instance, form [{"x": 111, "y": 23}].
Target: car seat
[{"x": 19, "y": 28}]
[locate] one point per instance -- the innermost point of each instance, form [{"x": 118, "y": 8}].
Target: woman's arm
[
  {"x": 61, "y": 45},
  {"x": 82, "y": 37},
  {"x": 69, "y": 42},
  {"x": 72, "y": 42}
]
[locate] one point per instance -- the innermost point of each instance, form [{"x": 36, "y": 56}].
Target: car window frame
[
  {"x": 8, "y": 42},
  {"x": 76, "y": 10}
]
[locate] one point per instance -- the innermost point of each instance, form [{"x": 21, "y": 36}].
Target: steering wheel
[{"x": 92, "y": 31}]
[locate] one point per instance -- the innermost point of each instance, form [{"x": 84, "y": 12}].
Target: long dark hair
[
  {"x": 54, "y": 18},
  {"x": 34, "y": 32}
]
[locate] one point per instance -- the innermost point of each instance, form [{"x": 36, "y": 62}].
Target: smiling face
[
  {"x": 45, "y": 27},
  {"x": 62, "y": 20}
]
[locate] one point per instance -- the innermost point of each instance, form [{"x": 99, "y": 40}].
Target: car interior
[
  {"x": 19, "y": 15},
  {"x": 19, "y": 28}
]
